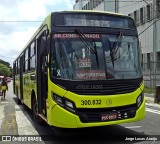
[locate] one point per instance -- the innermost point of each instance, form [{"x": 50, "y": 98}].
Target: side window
[
  {"x": 32, "y": 59},
  {"x": 25, "y": 68},
  {"x": 29, "y": 51},
  {"x": 14, "y": 69},
  {"x": 24, "y": 62},
  {"x": 18, "y": 66}
]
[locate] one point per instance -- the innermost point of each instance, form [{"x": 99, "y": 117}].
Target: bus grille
[
  {"x": 107, "y": 89},
  {"x": 87, "y": 115}
]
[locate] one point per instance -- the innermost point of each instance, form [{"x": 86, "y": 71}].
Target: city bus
[{"x": 82, "y": 69}]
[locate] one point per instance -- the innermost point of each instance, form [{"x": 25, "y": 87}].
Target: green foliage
[
  {"x": 5, "y": 63},
  {"x": 5, "y": 69}
]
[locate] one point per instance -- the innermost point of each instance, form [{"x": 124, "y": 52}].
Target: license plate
[{"x": 106, "y": 117}]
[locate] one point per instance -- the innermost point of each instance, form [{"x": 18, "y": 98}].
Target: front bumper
[{"x": 65, "y": 119}]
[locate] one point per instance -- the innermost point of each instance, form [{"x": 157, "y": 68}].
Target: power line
[
  {"x": 125, "y": 6},
  {"x": 82, "y": 0},
  {"x": 141, "y": 1},
  {"x": 19, "y": 21},
  {"x": 145, "y": 18},
  {"x": 148, "y": 27},
  {"x": 138, "y": 21},
  {"x": 145, "y": 2},
  {"x": 156, "y": 16},
  {"x": 139, "y": 18},
  {"x": 149, "y": 5}
]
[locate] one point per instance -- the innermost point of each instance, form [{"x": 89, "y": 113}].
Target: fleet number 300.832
[{"x": 91, "y": 102}]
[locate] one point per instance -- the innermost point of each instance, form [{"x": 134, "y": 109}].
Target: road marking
[
  {"x": 153, "y": 110},
  {"x": 154, "y": 105},
  {"x": 6, "y": 102},
  {"x": 24, "y": 125},
  {"x": 133, "y": 127}
]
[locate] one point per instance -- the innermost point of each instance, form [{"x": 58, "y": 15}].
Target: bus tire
[{"x": 37, "y": 119}]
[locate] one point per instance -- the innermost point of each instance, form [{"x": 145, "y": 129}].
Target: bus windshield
[{"x": 95, "y": 57}]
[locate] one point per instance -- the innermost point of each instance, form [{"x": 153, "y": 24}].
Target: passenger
[{"x": 4, "y": 87}]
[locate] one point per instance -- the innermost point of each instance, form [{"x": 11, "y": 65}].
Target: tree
[
  {"x": 4, "y": 70},
  {"x": 5, "y": 63}
]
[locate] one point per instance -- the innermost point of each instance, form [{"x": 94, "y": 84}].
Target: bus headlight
[
  {"x": 65, "y": 103},
  {"x": 58, "y": 99},
  {"x": 69, "y": 105},
  {"x": 140, "y": 99}
]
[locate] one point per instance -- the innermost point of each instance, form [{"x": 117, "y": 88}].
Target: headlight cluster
[
  {"x": 65, "y": 103},
  {"x": 140, "y": 99}
]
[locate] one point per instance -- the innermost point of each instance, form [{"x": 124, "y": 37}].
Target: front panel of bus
[{"x": 95, "y": 76}]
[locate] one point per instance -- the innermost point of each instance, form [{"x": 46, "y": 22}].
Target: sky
[{"x": 15, "y": 28}]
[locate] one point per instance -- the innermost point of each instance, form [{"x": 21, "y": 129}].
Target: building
[
  {"x": 103, "y": 5},
  {"x": 146, "y": 14}
]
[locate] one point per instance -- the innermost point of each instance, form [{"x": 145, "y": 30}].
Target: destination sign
[{"x": 89, "y": 36}]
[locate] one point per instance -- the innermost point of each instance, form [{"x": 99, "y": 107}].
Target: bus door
[
  {"x": 21, "y": 78},
  {"x": 42, "y": 81}
]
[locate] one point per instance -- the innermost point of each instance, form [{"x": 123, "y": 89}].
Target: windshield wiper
[
  {"x": 92, "y": 49},
  {"x": 115, "y": 47}
]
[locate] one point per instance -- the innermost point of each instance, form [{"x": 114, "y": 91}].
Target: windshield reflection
[{"x": 116, "y": 57}]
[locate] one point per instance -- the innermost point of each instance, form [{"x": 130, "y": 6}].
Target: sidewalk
[{"x": 150, "y": 99}]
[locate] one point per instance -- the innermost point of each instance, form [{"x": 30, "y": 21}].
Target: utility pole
[{"x": 116, "y": 6}]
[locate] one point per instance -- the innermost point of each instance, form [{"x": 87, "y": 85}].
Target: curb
[
  {"x": 149, "y": 97},
  {"x": 150, "y": 100}
]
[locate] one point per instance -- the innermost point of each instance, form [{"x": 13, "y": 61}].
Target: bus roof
[{"x": 95, "y": 11}]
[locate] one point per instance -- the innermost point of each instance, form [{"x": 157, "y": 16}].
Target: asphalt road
[{"x": 17, "y": 120}]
